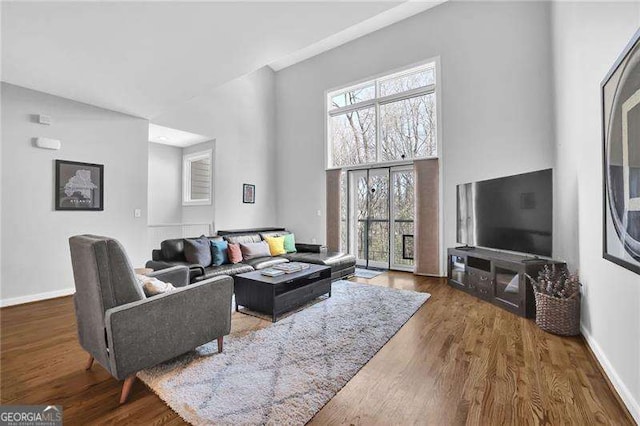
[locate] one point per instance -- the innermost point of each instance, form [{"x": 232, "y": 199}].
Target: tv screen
[{"x": 511, "y": 213}]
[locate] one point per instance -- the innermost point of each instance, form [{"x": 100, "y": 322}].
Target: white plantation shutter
[
  {"x": 197, "y": 175},
  {"x": 201, "y": 179}
]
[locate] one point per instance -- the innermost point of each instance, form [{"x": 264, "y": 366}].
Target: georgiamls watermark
[{"x": 30, "y": 415}]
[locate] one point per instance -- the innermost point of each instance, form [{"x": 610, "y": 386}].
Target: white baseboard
[
  {"x": 36, "y": 297},
  {"x": 632, "y": 405}
]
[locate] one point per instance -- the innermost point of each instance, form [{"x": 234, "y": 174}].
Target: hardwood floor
[{"x": 458, "y": 360}]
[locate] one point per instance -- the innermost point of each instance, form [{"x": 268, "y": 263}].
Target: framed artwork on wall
[
  {"x": 621, "y": 159},
  {"x": 79, "y": 186},
  {"x": 248, "y": 193}
]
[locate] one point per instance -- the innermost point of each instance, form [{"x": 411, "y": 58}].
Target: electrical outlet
[
  {"x": 314, "y": 241},
  {"x": 318, "y": 213}
]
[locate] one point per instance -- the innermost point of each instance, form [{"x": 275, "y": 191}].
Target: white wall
[
  {"x": 587, "y": 39},
  {"x": 240, "y": 116},
  {"x": 165, "y": 184},
  {"x": 34, "y": 236},
  {"x": 496, "y": 91}
]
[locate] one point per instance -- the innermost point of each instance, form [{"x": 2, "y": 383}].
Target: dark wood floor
[{"x": 458, "y": 360}]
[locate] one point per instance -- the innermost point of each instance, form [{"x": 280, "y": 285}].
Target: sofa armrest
[
  {"x": 310, "y": 248},
  {"x": 147, "y": 332},
  {"x": 156, "y": 254},
  {"x": 176, "y": 275},
  {"x": 195, "y": 270}
]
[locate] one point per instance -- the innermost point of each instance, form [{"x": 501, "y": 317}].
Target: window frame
[
  {"x": 376, "y": 102},
  {"x": 187, "y": 159}
]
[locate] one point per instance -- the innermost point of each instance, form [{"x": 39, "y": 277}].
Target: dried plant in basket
[{"x": 556, "y": 282}]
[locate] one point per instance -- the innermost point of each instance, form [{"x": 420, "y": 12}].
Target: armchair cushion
[
  {"x": 153, "y": 286},
  {"x": 176, "y": 275},
  {"x": 181, "y": 320}
]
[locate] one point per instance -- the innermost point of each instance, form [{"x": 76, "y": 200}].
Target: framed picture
[
  {"x": 621, "y": 159},
  {"x": 248, "y": 193},
  {"x": 79, "y": 186}
]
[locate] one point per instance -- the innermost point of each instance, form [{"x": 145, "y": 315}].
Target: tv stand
[
  {"x": 465, "y": 247},
  {"x": 496, "y": 277}
]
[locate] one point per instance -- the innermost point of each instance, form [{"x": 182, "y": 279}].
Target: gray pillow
[
  {"x": 198, "y": 251},
  {"x": 254, "y": 250}
]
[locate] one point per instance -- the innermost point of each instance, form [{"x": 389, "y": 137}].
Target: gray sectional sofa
[{"x": 171, "y": 253}]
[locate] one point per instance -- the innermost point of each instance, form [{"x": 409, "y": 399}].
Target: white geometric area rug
[{"x": 286, "y": 372}]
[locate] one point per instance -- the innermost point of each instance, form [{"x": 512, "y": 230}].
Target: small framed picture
[
  {"x": 79, "y": 186},
  {"x": 248, "y": 193}
]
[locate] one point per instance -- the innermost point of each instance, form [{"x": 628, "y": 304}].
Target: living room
[{"x": 509, "y": 88}]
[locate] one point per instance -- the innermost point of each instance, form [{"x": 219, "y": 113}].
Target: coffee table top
[{"x": 257, "y": 275}]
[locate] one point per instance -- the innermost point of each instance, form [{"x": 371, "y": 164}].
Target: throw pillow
[
  {"x": 276, "y": 245},
  {"x": 254, "y": 250},
  {"x": 234, "y": 252},
  {"x": 290, "y": 243},
  {"x": 219, "y": 253},
  {"x": 153, "y": 286},
  {"x": 198, "y": 251}
]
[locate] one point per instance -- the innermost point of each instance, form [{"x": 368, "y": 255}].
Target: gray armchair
[{"x": 127, "y": 332}]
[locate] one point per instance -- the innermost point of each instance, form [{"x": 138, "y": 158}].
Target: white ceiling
[
  {"x": 142, "y": 58},
  {"x": 174, "y": 137}
]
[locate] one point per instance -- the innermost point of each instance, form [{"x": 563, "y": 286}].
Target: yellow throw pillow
[{"x": 276, "y": 245}]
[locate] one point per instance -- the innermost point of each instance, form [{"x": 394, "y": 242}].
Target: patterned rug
[
  {"x": 285, "y": 373},
  {"x": 366, "y": 273}
]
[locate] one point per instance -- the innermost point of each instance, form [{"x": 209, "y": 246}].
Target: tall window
[{"x": 387, "y": 119}]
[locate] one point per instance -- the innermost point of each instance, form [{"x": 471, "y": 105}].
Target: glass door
[
  {"x": 378, "y": 220},
  {"x": 380, "y": 216},
  {"x": 402, "y": 213},
  {"x": 358, "y": 215},
  {"x": 369, "y": 217}
]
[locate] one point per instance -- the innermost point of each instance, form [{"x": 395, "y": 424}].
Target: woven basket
[{"x": 558, "y": 316}]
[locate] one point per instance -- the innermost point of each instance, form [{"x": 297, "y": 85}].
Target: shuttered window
[{"x": 197, "y": 177}]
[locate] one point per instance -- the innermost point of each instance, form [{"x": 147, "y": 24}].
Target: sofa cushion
[
  {"x": 336, "y": 260},
  {"x": 198, "y": 250},
  {"x": 271, "y": 234},
  {"x": 219, "y": 252},
  {"x": 276, "y": 245},
  {"x": 227, "y": 269},
  {"x": 173, "y": 250},
  {"x": 243, "y": 238},
  {"x": 264, "y": 262},
  {"x": 290, "y": 243},
  {"x": 254, "y": 250},
  {"x": 234, "y": 252}
]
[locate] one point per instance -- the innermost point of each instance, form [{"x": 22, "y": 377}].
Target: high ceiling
[{"x": 142, "y": 58}]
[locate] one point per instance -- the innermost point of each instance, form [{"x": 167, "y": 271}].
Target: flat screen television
[{"x": 512, "y": 213}]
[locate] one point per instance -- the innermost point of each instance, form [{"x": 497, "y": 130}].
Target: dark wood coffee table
[{"x": 277, "y": 295}]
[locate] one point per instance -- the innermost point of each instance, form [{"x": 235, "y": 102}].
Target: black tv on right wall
[{"x": 513, "y": 213}]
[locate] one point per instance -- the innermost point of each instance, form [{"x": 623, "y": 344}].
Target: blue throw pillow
[{"x": 219, "y": 253}]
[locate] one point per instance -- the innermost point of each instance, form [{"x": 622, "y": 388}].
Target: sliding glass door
[{"x": 380, "y": 217}]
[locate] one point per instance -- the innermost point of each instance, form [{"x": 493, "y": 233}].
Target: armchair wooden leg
[
  {"x": 220, "y": 342},
  {"x": 89, "y": 363},
  {"x": 126, "y": 388}
]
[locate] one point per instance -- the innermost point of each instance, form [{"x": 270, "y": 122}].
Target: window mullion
[{"x": 378, "y": 127}]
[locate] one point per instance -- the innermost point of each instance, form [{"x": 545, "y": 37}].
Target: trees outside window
[{"x": 388, "y": 119}]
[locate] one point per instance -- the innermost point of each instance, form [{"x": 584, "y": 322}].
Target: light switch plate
[
  {"x": 45, "y": 119},
  {"x": 137, "y": 213}
]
